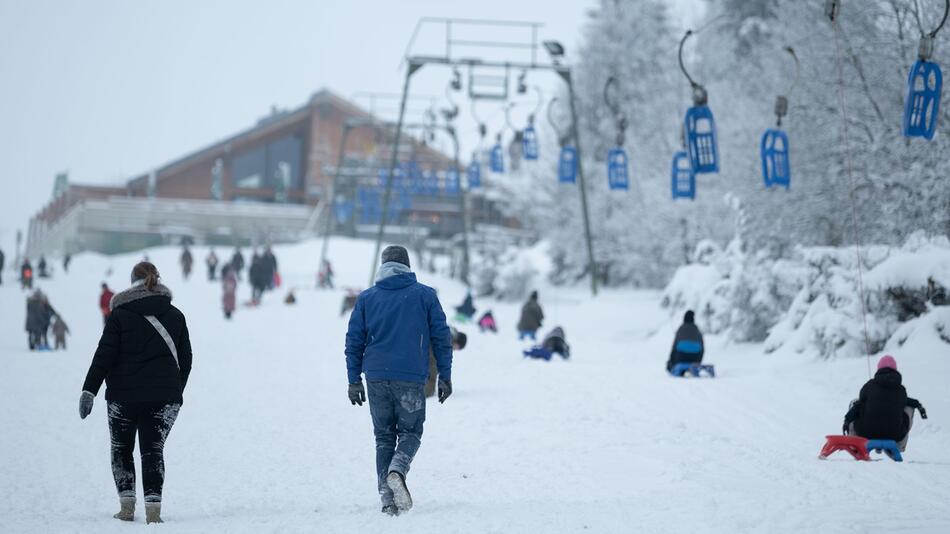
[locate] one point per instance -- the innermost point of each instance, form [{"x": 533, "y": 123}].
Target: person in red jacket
[{"x": 104, "y": 300}]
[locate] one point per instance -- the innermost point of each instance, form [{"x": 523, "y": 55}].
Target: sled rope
[{"x": 854, "y": 209}]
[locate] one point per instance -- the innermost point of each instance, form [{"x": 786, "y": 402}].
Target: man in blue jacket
[{"x": 391, "y": 330}]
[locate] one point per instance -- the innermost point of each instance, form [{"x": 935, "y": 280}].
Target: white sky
[{"x": 108, "y": 89}]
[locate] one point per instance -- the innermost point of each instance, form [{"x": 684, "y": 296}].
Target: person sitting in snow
[
  {"x": 688, "y": 346},
  {"x": 531, "y": 318},
  {"x": 883, "y": 410},
  {"x": 487, "y": 322}
]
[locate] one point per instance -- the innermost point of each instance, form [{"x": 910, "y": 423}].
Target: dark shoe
[
  {"x": 397, "y": 483},
  {"x": 127, "y": 509},
  {"x": 391, "y": 510}
]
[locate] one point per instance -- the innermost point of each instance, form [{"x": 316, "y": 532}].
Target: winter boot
[
  {"x": 397, "y": 483},
  {"x": 153, "y": 512},
  {"x": 127, "y": 509},
  {"x": 391, "y": 510}
]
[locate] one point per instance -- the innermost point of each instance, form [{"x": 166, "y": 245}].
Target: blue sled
[
  {"x": 888, "y": 446},
  {"x": 694, "y": 369},
  {"x": 539, "y": 353}
]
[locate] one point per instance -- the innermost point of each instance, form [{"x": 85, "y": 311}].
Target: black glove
[
  {"x": 445, "y": 389},
  {"x": 923, "y": 411},
  {"x": 85, "y": 404},
  {"x": 356, "y": 393},
  {"x": 844, "y": 429}
]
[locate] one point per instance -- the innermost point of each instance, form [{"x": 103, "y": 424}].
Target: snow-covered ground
[{"x": 268, "y": 442}]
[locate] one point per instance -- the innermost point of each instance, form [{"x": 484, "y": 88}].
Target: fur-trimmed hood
[{"x": 138, "y": 292}]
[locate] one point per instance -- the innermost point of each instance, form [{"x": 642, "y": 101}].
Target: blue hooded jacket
[{"x": 391, "y": 329}]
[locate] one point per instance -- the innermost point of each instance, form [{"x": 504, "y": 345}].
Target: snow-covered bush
[{"x": 510, "y": 274}]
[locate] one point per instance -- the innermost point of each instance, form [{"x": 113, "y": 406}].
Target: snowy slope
[{"x": 267, "y": 441}]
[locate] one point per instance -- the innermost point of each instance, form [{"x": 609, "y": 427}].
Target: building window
[
  {"x": 249, "y": 168},
  {"x": 277, "y": 166}
]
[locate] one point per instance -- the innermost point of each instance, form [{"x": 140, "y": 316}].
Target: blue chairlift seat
[
  {"x": 452, "y": 182},
  {"x": 922, "y": 105},
  {"x": 474, "y": 174},
  {"x": 682, "y": 177},
  {"x": 497, "y": 159},
  {"x": 529, "y": 142},
  {"x": 617, "y": 175},
  {"x": 775, "y": 165},
  {"x": 567, "y": 165},
  {"x": 343, "y": 209},
  {"x": 888, "y": 446},
  {"x": 701, "y": 140},
  {"x": 370, "y": 204}
]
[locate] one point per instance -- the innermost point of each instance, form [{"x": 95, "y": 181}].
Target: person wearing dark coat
[
  {"x": 2, "y": 261},
  {"x": 66, "y": 261},
  {"x": 211, "y": 261},
  {"x": 35, "y": 312},
  {"x": 26, "y": 275},
  {"x": 688, "y": 346},
  {"x": 257, "y": 273},
  {"x": 41, "y": 268},
  {"x": 229, "y": 290},
  {"x": 531, "y": 318},
  {"x": 144, "y": 357},
  {"x": 459, "y": 340},
  {"x": 556, "y": 343},
  {"x": 390, "y": 333},
  {"x": 883, "y": 410},
  {"x": 186, "y": 262},
  {"x": 270, "y": 268},
  {"x": 237, "y": 262}
]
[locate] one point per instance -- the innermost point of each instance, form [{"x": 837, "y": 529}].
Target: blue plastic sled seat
[
  {"x": 922, "y": 105},
  {"x": 693, "y": 369},
  {"x": 529, "y": 143},
  {"x": 474, "y": 175},
  {"x": 539, "y": 353},
  {"x": 887, "y": 446},
  {"x": 497, "y": 159},
  {"x": 775, "y": 166},
  {"x": 701, "y": 140}
]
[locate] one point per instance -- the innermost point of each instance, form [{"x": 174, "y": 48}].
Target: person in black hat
[
  {"x": 688, "y": 344},
  {"x": 392, "y": 328}
]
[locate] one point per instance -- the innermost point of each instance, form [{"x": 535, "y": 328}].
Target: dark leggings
[{"x": 152, "y": 421}]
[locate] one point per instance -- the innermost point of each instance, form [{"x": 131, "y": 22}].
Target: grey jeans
[{"x": 398, "y": 410}]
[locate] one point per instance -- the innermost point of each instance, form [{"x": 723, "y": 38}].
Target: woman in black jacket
[
  {"x": 883, "y": 410},
  {"x": 144, "y": 356}
]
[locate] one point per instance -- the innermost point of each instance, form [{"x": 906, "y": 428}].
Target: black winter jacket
[
  {"x": 132, "y": 356},
  {"x": 689, "y": 335},
  {"x": 879, "y": 410}
]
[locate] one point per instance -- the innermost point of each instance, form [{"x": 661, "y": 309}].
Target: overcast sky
[{"x": 107, "y": 89}]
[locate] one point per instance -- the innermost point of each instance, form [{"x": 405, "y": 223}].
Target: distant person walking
[
  {"x": 26, "y": 275},
  {"x": 67, "y": 259},
  {"x": 270, "y": 267},
  {"x": 257, "y": 274},
  {"x": 42, "y": 268},
  {"x": 144, "y": 356},
  {"x": 237, "y": 262},
  {"x": 325, "y": 276},
  {"x": 186, "y": 261},
  {"x": 531, "y": 318},
  {"x": 212, "y": 262},
  {"x": 229, "y": 290},
  {"x": 688, "y": 346},
  {"x": 105, "y": 298},
  {"x": 3, "y": 260},
  {"x": 390, "y": 332},
  {"x": 35, "y": 312}
]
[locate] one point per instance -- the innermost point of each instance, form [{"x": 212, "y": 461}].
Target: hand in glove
[
  {"x": 445, "y": 389},
  {"x": 844, "y": 429},
  {"x": 923, "y": 412},
  {"x": 85, "y": 404},
  {"x": 356, "y": 393}
]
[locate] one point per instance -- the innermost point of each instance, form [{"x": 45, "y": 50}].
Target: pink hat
[{"x": 887, "y": 362}]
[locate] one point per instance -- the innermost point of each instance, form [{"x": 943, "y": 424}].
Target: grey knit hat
[{"x": 397, "y": 254}]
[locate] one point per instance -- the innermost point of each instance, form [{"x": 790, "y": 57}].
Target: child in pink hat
[{"x": 883, "y": 410}]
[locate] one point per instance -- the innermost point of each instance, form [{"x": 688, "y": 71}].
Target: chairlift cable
[{"x": 854, "y": 209}]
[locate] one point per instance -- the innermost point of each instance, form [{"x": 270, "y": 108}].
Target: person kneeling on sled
[
  {"x": 556, "y": 344},
  {"x": 487, "y": 322},
  {"x": 466, "y": 310},
  {"x": 688, "y": 346},
  {"x": 459, "y": 340},
  {"x": 883, "y": 410}
]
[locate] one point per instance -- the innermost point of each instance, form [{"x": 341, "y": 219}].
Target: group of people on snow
[{"x": 40, "y": 318}]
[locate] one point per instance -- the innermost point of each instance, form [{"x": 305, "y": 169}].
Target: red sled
[{"x": 854, "y": 445}]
